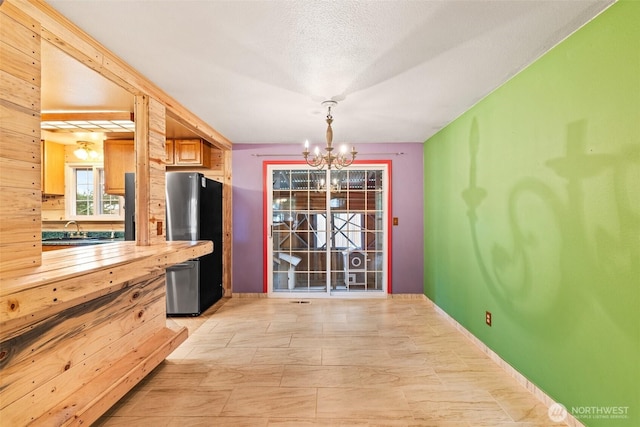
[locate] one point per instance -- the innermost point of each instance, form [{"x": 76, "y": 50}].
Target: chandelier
[
  {"x": 85, "y": 152},
  {"x": 329, "y": 159}
]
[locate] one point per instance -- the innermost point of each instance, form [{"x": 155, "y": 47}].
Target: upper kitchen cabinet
[
  {"x": 119, "y": 158},
  {"x": 52, "y": 168},
  {"x": 188, "y": 152}
]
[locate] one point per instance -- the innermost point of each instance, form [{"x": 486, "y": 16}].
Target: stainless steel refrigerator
[{"x": 194, "y": 212}]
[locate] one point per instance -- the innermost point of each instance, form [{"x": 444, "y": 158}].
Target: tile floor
[{"x": 375, "y": 362}]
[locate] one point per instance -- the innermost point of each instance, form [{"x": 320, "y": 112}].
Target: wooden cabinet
[
  {"x": 119, "y": 158},
  {"x": 169, "y": 147},
  {"x": 52, "y": 168},
  {"x": 188, "y": 152}
]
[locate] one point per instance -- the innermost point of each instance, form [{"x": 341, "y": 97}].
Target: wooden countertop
[{"x": 69, "y": 276}]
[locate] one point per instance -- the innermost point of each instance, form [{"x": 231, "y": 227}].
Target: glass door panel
[{"x": 327, "y": 231}]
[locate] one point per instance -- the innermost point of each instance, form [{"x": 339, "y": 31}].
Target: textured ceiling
[{"x": 257, "y": 71}]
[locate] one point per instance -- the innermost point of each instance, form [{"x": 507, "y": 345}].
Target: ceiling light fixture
[
  {"x": 328, "y": 158},
  {"x": 85, "y": 152},
  {"x": 87, "y": 121}
]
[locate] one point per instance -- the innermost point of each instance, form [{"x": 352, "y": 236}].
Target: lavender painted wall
[{"x": 406, "y": 192}]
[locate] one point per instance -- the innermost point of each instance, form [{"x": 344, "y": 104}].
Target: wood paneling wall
[
  {"x": 19, "y": 139},
  {"x": 77, "y": 333},
  {"x": 25, "y": 23},
  {"x": 157, "y": 153},
  {"x": 150, "y": 133},
  {"x": 150, "y": 170},
  {"x": 227, "y": 278}
]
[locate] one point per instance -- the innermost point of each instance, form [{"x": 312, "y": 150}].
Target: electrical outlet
[{"x": 487, "y": 318}]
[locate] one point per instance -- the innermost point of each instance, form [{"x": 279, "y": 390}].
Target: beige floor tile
[
  {"x": 256, "y": 375},
  {"x": 351, "y": 341},
  {"x": 223, "y": 356},
  {"x": 350, "y": 328},
  {"x": 257, "y": 340},
  {"x": 455, "y": 405},
  {"x": 516, "y": 401},
  {"x": 341, "y": 423},
  {"x": 356, "y": 376},
  {"x": 210, "y": 338},
  {"x": 474, "y": 379},
  {"x": 320, "y": 317},
  {"x": 144, "y": 421},
  {"x": 241, "y": 327},
  {"x": 295, "y": 326},
  {"x": 546, "y": 423},
  {"x": 356, "y": 356},
  {"x": 358, "y": 363},
  {"x": 376, "y": 403},
  {"x": 217, "y": 422},
  {"x": 287, "y": 356},
  {"x": 175, "y": 376},
  {"x": 182, "y": 402},
  {"x": 271, "y": 402}
]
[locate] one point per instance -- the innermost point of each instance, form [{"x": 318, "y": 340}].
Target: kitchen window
[{"x": 85, "y": 196}]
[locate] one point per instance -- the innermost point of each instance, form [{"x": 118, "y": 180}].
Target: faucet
[{"x": 77, "y": 233}]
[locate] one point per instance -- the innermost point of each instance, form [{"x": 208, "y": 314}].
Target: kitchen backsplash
[{"x": 92, "y": 234}]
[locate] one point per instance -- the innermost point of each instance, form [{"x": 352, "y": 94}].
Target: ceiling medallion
[{"x": 329, "y": 159}]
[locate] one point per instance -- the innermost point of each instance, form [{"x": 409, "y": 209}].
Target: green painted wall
[{"x": 532, "y": 212}]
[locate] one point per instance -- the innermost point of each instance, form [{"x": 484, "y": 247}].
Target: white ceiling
[{"x": 257, "y": 71}]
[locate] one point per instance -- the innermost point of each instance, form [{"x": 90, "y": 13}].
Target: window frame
[{"x": 70, "y": 194}]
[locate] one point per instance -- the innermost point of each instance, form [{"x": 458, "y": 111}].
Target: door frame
[{"x": 266, "y": 224}]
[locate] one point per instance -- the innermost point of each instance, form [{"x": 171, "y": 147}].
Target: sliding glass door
[{"x": 327, "y": 230}]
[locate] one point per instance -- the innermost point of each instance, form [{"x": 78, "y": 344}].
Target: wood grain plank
[
  {"x": 20, "y": 228},
  {"x": 71, "y": 382},
  {"x": 227, "y": 225},
  {"x": 12, "y": 11},
  {"x": 143, "y": 228},
  {"x": 20, "y": 174},
  {"x": 15, "y": 62},
  {"x": 20, "y": 92},
  {"x": 81, "y": 410},
  {"x": 20, "y": 32},
  {"x": 20, "y": 120},
  {"x": 10, "y": 139},
  {"x": 46, "y": 349},
  {"x": 18, "y": 255}
]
